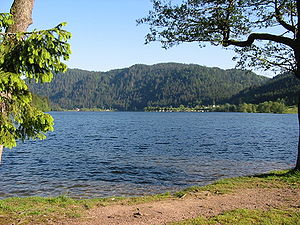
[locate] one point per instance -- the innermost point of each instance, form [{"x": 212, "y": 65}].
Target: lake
[{"x": 98, "y": 154}]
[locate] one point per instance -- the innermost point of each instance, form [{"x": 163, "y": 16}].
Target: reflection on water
[{"x": 96, "y": 154}]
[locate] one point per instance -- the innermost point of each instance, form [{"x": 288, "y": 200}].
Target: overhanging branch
[{"x": 260, "y": 36}]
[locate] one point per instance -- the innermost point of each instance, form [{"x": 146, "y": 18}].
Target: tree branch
[
  {"x": 260, "y": 36},
  {"x": 298, "y": 24},
  {"x": 280, "y": 20},
  {"x": 283, "y": 23}
]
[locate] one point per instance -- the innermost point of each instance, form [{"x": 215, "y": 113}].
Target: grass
[
  {"x": 247, "y": 217},
  {"x": 277, "y": 179},
  {"x": 46, "y": 210},
  {"x": 49, "y": 210},
  {"x": 37, "y": 210}
]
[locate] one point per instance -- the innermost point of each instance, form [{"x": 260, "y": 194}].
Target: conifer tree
[{"x": 34, "y": 56}]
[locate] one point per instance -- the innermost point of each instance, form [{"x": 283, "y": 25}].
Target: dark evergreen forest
[
  {"x": 168, "y": 84},
  {"x": 282, "y": 87}
]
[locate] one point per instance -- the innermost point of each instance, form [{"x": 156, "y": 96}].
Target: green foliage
[
  {"x": 201, "y": 21},
  {"x": 34, "y": 55},
  {"x": 5, "y": 21},
  {"x": 139, "y": 86},
  {"x": 230, "y": 23},
  {"x": 264, "y": 107},
  {"x": 291, "y": 110}
]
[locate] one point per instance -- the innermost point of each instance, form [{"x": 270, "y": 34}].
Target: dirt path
[{"x": 203, "y": 204}]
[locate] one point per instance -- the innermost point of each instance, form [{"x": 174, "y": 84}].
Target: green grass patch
[
  {"x": 276, "y": 179},
  {"x": 37, "y": 210},
  {"x": 248, "y": 217}
]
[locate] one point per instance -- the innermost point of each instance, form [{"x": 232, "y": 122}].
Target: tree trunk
[
  {"x": 22, "y": 16},
  {"x": 297, "y": 167},
  {"x": 1, "y": 150},
  {"x": 297, "y": 73}
]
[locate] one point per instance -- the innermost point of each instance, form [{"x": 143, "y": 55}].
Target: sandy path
[{"x": 204, "y": 204}]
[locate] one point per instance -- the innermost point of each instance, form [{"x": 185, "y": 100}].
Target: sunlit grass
[
  {"x": 277, "y": 179},
  {"x": 37, "y": 210},
  {"x": 247, "y": 217}
]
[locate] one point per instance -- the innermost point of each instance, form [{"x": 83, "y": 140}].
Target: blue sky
[{"x": 105, "y": 35}]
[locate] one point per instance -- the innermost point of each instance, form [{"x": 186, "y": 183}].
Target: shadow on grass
[{"x": 286, "y": 175}]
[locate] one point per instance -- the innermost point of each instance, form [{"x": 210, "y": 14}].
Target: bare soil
[{"x": 191, "y": 206}]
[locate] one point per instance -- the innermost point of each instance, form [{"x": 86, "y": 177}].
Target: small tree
[
  {"x": 264, "y": 33},
  {"x": 32, "y": 55}
]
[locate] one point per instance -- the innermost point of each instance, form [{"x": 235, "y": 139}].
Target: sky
[{"x": 105, "y": 35}]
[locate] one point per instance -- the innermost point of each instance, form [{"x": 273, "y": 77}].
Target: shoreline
[
  {"x": 285, "y": 112},
  {"x": 47, "y": 210}
]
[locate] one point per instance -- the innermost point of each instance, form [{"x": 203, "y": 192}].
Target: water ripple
[{"x": 97, "y": 154}]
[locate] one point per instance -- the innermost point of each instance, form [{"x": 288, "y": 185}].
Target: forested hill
[
  {"x": 168, "y": 84},
  {"x": 284, "y": 86}
]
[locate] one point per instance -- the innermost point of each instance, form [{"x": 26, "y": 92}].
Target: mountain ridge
[{"x": 139, "y": 86}]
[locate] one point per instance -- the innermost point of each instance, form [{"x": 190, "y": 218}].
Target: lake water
[{"x": 97, "y": 154}]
